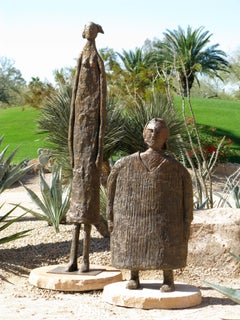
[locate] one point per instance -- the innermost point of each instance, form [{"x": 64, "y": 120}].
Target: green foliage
[
  {"x": 114, "y": 132},
  {"x": 210, "y": 144},
  {"x": 187, "y": 53},
  {"x": 7, "y": 223},
  {"x": 136, "y": 117},
  {"x": 11, "y": 83},
  {"x": 9, "y": 173},
  {"x": 54, "y": 123},
  {"x": 38, "y": 92},
  {"x": 55, "y": 199},
  {"x": 64, "y": 76}
]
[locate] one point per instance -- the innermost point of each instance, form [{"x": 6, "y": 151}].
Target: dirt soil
[{"x": 20, "y": 300}]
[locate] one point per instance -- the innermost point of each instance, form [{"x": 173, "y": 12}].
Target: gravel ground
[{"x": 21, "y": 300}]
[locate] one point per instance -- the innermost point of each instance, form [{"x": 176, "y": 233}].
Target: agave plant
[
  {"x": 9, "y": 173},
  {"x": 7, "y": 223},
  {"x": 232, "y": 294},
  {"x": 55, "y": 199}
]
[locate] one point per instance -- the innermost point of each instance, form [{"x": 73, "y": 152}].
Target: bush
[{"x": 210, "y": 143}]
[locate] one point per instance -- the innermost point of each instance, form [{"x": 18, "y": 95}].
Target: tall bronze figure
[
  {"x": 86, "y": 132},
  {"x": 150, "y": 209}
]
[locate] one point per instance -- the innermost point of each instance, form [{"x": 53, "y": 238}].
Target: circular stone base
[
  {"x": 149, "y": 296},
  {"x": 52, "y": 277}
]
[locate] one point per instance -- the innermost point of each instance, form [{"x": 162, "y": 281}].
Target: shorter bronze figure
[{"x": 150, "y": 209}]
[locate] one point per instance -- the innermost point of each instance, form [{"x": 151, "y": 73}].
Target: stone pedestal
[
  {"x": 53, "y": 277},
  {"x": 149, "y": 296}
]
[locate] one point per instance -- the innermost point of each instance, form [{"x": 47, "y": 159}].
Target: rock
[{"x": 214, "y": 234}]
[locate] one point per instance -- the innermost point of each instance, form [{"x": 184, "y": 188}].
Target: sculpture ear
[
  {"x": 165, "y": 146},
  {"x": 100, "y": 28}
]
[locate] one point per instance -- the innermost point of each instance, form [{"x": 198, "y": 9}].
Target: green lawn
[
  {"x": 224, "y": 115},
  {"x": 19, "y": 128}
]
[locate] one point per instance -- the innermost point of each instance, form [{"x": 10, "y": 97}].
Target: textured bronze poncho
[
  {"x": 151, "y": 213},
  {"x": 88, "y": 102}
]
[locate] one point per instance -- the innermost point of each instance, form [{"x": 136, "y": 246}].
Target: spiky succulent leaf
[
  {"x": 14, "y": 236},
  {"x": 232, "y": 294},
  {"x": 55, "y": 200}
]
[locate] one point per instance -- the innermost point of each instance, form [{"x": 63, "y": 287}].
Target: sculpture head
[
  {"x": 91, "y": 30},
  {"x": 156, "y": 134}
]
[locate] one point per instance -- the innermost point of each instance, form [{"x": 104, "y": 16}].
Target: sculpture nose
[{"x": 154, "y": 133}]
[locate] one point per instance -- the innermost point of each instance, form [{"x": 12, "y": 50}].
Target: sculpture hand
[
  {"x": 187, "y": 231},
  {"x": 110, "y": 226},
  {"x": 97, "y": 163}
]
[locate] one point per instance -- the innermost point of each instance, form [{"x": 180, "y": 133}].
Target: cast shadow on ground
[{"x": 14, "y": 259}]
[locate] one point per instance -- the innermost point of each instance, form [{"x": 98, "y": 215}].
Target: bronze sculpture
[
  {"x": 150, "y": 209},
  {"x": 86, "y": 132}
]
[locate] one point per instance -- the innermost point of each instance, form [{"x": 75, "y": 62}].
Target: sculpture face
[
  {"x": 156, "y": 134},
  {"x": 90, "y": 31}
]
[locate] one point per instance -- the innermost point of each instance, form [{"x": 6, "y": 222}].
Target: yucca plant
[
  {"x": 54, "y": 121},
  {"x": 10, "y": 173},
  {"x": 232, "y": 294},
  {"x": 55, "y": 199},
  {"x": 4, "y": 223},
  {"x": 136, "y": 117}
]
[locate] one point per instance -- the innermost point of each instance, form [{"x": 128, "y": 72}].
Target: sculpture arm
[
  {"x": 111, "y": 189},
  {"x": 72, "y": 112},
  {"x": 102, "y": 111},
  {"x": 187, "y": 202}
]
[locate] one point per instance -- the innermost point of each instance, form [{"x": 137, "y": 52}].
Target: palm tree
[
  {"x": 138, "y": 71},
  {"x": 188, "y": 55}
]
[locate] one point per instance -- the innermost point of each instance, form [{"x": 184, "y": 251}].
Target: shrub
[{"x": 210, "y": 144}]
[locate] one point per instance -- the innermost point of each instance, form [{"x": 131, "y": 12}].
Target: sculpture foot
[
  {"x": 133, "y": 284},
  {"x": 167, "y": 287},
  {"x": 84, "y": 267},
  {"x": 71, "y": 267}
]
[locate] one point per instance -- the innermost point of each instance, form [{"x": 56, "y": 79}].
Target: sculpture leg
[
  {"x": 86, "y": 245},
  {"x": 72, "y": 265},
  {"x": 168, "y": 281},
  {"x": 133, "y": 283}
]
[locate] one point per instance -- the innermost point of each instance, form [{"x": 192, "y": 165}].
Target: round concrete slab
[
  {"x": 150, "y": 297},
  {"x": 53, "y": 277}
]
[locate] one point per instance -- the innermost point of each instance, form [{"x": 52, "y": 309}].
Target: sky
[{"x": 41, "y": 36}]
